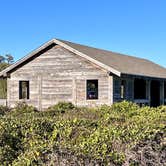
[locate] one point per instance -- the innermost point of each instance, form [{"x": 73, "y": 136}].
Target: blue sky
[{"x": 134, "y": 27}]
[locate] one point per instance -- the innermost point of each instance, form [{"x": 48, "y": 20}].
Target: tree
[
  {"x": 9, "y": 58},
  {"x": 2, "y": 59},
  {"x": 5, "y": 61}
]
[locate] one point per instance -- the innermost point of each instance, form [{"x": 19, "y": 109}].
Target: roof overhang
[{"x": 142, "y": 76}]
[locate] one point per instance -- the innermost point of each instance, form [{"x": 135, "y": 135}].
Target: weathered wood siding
[
  {"x": 59, "y": 75},
  {"x": 3, "y": 102}
]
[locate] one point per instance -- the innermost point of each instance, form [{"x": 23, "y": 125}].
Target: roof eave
[{"x": 141, "y": 75}]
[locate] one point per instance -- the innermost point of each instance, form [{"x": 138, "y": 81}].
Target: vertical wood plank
[
  {"x": 110, "y": 90},
  {"x": 40, "y": 92},
  {"x": 74, "y": 91}
]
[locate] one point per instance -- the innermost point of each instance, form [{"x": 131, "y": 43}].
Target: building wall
[{"x": 59, "y": 75}]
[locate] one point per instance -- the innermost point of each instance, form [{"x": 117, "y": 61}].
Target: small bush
[
  {"x": 62, "y": 107},
  {"x": 162, "y": 108},
  {"x": 125, "y": 106},
  {"x": 23, "y": 107}
]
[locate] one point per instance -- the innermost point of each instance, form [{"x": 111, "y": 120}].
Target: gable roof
[{"x": 112, "y": 62}]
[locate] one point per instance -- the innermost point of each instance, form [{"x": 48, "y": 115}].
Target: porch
[
  {"x": 149, "y": 92},
  {"x": 141, "y": 90}
]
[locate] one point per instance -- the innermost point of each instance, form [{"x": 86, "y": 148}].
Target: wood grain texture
[{"x": 59, "y": 75}]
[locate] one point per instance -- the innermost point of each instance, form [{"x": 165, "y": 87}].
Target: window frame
[
  {"x": 21, "y": 90},
  {"x": 96, "y": 98}
]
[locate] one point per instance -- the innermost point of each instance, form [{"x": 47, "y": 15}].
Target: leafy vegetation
[
  {"x": 5, "y": 61},
  {"x": 3, "y": 88},
  {"x": 3, "y": 84},
  {"x": 105, "y": 134}
]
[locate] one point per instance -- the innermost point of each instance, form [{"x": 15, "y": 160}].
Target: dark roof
[
  {"x": 111, "y": 61},
  {"x": 122, "y": 63}
]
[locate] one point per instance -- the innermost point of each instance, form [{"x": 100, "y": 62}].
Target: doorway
[
  {"x": 139, "y": 89},
  {"x": 155, "y": 93}
]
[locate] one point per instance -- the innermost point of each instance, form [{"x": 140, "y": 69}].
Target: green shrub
[
  {"x": 162, "y": 108},
  {"x": 61, "y": 107},
  {"x": 125, "y": 106},
  {"x": 23, "y": 107},
  {"x": 4, "y": 110}
]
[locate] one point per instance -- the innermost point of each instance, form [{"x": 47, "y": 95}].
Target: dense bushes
[
  {"x": 104, "y": 134},
  {"x": 4, "y": 110}
]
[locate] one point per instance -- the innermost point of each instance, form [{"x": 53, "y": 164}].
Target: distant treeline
[{"x": 5, "y": 61}]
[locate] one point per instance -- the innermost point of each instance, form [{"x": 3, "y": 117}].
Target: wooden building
[{"x": 64, "y": 71}]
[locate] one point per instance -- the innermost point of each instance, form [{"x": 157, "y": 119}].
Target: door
[{"x": 155, "y": 93}]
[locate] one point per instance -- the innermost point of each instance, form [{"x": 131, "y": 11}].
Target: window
[
  {"x": 122, "y": 89},
  {"x": 92, "y": 89},
  {"x": 139, "y": 89},
  {"x": 23, "y": 89}
]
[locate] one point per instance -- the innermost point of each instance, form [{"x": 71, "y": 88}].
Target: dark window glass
[
  {"x": 92, "y": 89},
  {"x": 23, "y": 89},
  {"x": 139, "y": 89}
]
